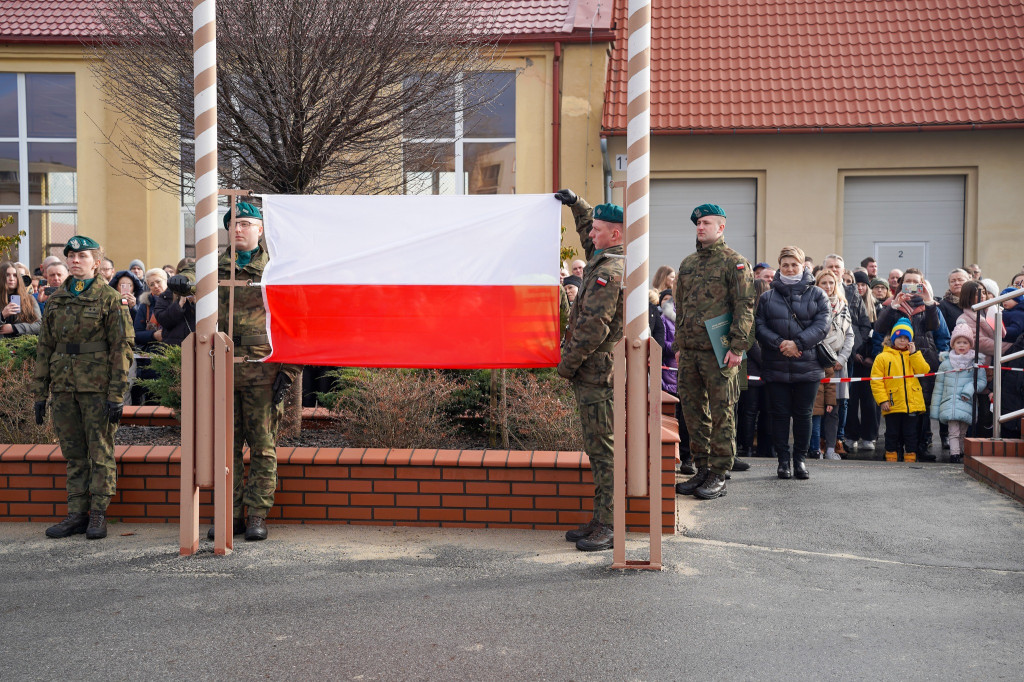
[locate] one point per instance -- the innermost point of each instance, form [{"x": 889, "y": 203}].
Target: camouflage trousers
[
  {"x": 87, "y": 443},
  {"x": 257, "y": 421},
  {"x": 708, "y": 395},
  {"x": 595, "y": 405}
]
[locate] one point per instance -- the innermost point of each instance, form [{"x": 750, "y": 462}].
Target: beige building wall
[
  {"x": 800, "y": 181},
  {"x": 129, "y": 220}
]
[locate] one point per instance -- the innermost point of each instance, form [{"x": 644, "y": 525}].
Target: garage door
[
  {"x": 906, "y": 221},
  {"x": 671, "y": 232}
]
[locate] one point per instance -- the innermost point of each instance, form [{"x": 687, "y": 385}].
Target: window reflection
[
  {"x": 51, "y": 173},
  {"x": 8, "y": 105},
  {"x": 10, "y": 190},
  {"x": 50, "y": 104},
  {"x": 490, "y": 167},
  {"x": 491, "y": 105},
  {"x": 430, "y": 169},
  {"x": 49, "y": 231}
]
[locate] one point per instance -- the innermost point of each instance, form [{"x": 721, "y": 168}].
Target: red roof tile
[
  {"x": 724, "y": 65},
  {"x": 74, "y": 20}
]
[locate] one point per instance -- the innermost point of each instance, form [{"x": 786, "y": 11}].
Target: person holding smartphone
[{"x": 19, "y": 313}]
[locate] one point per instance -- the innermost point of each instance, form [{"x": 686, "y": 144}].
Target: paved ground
[{"x": 867, "y": 571}]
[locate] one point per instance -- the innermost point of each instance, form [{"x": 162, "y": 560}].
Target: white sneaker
[
  {"x": 831, "y": 454},
  {"x": 867, "y": 445}
]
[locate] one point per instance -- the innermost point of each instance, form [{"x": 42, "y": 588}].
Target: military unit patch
[
  {"x": 602, "y": 281},
  {"x": 740, "y": 266}
]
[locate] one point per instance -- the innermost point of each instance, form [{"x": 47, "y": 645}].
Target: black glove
[
  {"x": 566, "y": 196},
  {"x": 282, "y": 382},
  {"x": 179, "y": 284},
  {"x": 40, "y": 410},
  {"x": 114, "y": 411}
]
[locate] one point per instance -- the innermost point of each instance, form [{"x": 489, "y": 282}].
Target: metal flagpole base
[{"x": 619, "y": 560}]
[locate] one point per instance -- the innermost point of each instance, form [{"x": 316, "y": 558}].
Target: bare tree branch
[{"x": 313, "y": 95}]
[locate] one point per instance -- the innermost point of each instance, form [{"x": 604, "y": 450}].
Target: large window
[
  {"x": 38, "y": 163},
  {"x": 471, "y": 153}
]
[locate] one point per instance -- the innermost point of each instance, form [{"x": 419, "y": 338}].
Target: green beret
[
  {"x": 242, "y": 210},
  {"x": 610, "y": 213},
  {"x": 706, "y": 209},
  {"x": 80, "y": 243}
]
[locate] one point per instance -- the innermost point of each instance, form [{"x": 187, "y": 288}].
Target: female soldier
[{"x": 84, "y": 351}]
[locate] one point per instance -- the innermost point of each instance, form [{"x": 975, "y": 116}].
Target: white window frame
[
  {"x": 459, "y": 141},
  {"x": 23, "y": 209}
]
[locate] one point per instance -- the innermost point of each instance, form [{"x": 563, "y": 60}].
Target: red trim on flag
[{"x": 458, "y": 327}]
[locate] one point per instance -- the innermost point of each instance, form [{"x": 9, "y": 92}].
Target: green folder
[{"x": 718, "y": 330}]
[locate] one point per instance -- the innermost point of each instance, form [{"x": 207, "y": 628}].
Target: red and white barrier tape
[{"x": 851, "y": 380}]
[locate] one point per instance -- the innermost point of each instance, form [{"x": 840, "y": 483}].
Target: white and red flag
[{"x": 413, "y": 281}]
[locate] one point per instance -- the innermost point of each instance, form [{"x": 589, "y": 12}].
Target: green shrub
[
  {"x": 165, "y": 361},
  {"x": 17, "y": 417}
]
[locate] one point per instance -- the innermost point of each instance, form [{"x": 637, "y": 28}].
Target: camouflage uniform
[
  {"x": 82, "y": 357},
  {"x": 257, "y": 419},
  {"x": 595, "y": 324},
  {"x": 711, "y": 282}
]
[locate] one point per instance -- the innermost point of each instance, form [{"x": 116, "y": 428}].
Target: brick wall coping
[
  {"x": 537, "y": 459},
  {"x": 158, "y": 415}
]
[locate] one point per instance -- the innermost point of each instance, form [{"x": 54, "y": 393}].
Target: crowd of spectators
[{"x": 875, "y": 328}]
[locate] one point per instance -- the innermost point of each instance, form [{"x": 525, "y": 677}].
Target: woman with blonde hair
[
  {"x": 840, "y": 340},
  {"x": 19, "y": 311}
]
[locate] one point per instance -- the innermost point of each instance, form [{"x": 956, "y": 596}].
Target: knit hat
[
  {"x": 861, "y": 277},
  {"x": 663, "y": 294},
  {"x": 962, "y": 331},
  {"x": 137, "y": 262},
  {"x": 903, "y": 327},
  {"x": 573, "y": 280},
  {"x": 876, "y": 282}
]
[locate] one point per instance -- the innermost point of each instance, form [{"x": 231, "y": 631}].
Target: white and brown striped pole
[
  {"x": 204, "y": 46},
  {"x": 637, "y": 205}
]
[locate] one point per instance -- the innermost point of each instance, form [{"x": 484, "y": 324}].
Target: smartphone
[
  {"x": 913, "y": 289},
  {"x": 49, "y": 290},
  {"x": 16, "y": 300}
]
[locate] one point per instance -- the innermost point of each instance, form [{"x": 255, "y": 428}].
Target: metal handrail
[{"x": 997, "y": 359}]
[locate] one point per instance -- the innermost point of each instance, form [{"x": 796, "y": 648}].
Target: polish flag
[{"x": 413, "y": 281}]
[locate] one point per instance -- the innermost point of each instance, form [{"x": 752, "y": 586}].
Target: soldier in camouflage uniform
[
  {"x": 713, "y": 281},
  {"x": 82, "y": 359},
  {"x": 260, "y": 387},
  {"x": 595, "y": 325}
]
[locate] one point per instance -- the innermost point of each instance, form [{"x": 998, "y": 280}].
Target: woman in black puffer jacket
[{"x": 789, "y": 363}]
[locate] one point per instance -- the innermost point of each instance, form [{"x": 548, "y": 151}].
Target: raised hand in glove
[
  {"x": 566, "y": 196},
  {"x": 282, "y": 382},
  {"x": 179, "y": 284},
  {"x": 114, "y": 411},
  {"x": 40, "y": 410}
]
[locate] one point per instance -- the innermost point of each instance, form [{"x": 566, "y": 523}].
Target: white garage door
[
  {"x": 672, "y": 201},
  {"x": 905, "y": 222}
]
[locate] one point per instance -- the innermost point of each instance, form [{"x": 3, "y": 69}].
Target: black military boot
[
  {"x": 740, "y": 465},
  {"x": 714, "y": 486},
  {"x": 686, "y": 464},
  {"x": 577, "y": 534},
  {"x": 688, "y": 486},
  {"x": 74, "y": 524},
  {"x": 237, "y": 528},
  {"x": 602, "y": 538},
  {"x": 784, "y": 470},
  {"x": 97, "y": 529},
  {"x": 257, "y": 529},
  {"x": 800, "y": 468}
]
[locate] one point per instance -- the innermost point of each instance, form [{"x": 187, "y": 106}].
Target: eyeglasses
[{"x": 246, "y": 224}]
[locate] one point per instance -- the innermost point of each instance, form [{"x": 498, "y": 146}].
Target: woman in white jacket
[{"x": 840, "y": 339}]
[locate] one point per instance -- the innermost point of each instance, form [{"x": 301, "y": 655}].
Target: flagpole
[{"x": 637, "y": 203}]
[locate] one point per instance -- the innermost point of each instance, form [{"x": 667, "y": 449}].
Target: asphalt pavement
[{"x": 867, "y": 571}]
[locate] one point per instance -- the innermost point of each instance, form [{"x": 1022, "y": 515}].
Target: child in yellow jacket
[{"x": 901, "y": 399}]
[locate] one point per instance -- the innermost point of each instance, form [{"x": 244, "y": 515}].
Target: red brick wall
[
  {"x": 477, "y": 489},
  {"x": 997, "y": 463}
]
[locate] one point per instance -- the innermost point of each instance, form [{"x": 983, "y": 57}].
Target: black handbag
[{"x": 827, "y": 357}]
